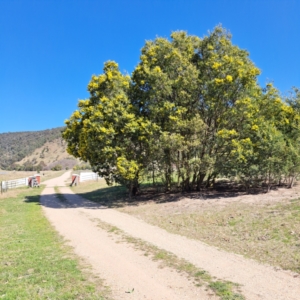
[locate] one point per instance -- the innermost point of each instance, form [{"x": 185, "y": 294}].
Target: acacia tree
[
  {"x": 189, "y": 80},
  {"x": 291, "y": 130},
  {"x": 105, "y": 131},
  {"x": 164, "y": 86},
  {"x": 192, "y": 108}
]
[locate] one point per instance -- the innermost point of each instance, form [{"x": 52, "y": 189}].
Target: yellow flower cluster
[
  {"x": 216, "y": 65},
  {"x": 229, "y": 78},
  {"x": 109, "y": 75},
  {"x": 157, "y": 69},
  {"x": 76, "y": 114},
  {"x": 219, "y": 81}
]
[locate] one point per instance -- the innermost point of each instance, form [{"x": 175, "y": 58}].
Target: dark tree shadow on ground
[{"x": 117, "y": 197}]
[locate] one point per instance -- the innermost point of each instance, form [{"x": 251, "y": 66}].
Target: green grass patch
[
  {"x": 34, "y": 262},
  {"x": 98, "y": 191},
  {"x": 224, "y": 290}
]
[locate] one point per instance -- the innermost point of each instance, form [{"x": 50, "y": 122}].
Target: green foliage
[
  {"x": 82, "y": 167},
  {"x": 192, "y": 108},
  {"x": 105, "y": 130},
  {"x": 57, "y": 168}
]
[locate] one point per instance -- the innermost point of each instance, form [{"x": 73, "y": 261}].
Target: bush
[{"x": 56, "y": 168}]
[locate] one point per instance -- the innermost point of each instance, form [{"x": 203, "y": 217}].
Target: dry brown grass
[
  {"x": 265, "y": 227},
  {"x": 10, "y": 175},
  {"x": 12, "y": 193},
  {"x": 269, "y": 233},
  {"x": 224, "y": 289},
  {"x": 45, "y": 175}
]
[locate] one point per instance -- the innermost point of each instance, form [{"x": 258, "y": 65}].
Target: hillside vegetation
[
  {"x": 23, "y": 150},
  {"x": 50, "y": 154}
]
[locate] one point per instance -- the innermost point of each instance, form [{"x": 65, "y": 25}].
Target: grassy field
[
  {"x": 267, "y": 232},
  {"x": 34, "y": 262}
]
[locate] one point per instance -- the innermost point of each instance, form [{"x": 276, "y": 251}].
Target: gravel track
[
  {"x": 121, "y": 266},
  {"x": 124, "y": 267}
]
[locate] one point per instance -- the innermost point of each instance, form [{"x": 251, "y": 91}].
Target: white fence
[
  {"x": 11, "y": 184},
  {"x": 86, "y": 176}
]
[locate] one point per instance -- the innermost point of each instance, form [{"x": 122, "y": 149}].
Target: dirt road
[{"x": 125, "y": 268}]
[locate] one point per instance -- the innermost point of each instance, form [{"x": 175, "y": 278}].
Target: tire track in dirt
[{"x": 121, "y": 266}]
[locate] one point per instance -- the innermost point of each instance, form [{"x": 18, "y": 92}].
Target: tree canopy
[{"x": 192, "y": 110}]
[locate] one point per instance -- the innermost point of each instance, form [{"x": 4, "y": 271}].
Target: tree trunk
[
  {"x": 291, "y": 184},
  {"x": 153, "y": 179},
  {"x": 130, "y": 190},
  {"x": 200, "y": 180}
]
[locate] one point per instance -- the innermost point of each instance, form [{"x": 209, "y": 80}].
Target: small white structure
[{"x": 84, "y": 176}]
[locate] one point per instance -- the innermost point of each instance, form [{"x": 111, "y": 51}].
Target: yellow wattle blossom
[
  {"x": 157, "y": 69},
  {"x": 277, "y": 100},
  {"x": 219, "y": 81},
  {"x": 254, "y": 71},
  {"x": 225, "y": 57},
  {"x": 173, "y": 118},
  {"x": 216, "y": 65},
  {"x": 125, "y": 83},
  {"x": 254, "y": 127},
  {"x": 77, "y": 114},
  {"x": 151, "y": 52},
  {"x": 104, "y": 99},
  {"x": 109, "y": 75},
  {"x": 228, "y": 58},
  {"x": 229, "y": 78},
  {"x": 287, "y": 109},
  {"x": 101, "y": 79},
  {"x": 226, "y": 133}
]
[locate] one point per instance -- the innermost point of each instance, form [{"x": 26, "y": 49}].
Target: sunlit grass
[{"x": 34, "y": 262}]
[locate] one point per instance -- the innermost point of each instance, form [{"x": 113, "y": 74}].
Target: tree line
[{"x": 191, "y": 111}]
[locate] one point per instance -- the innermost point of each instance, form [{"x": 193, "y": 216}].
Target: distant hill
[
  {"x": 24, "y": 150},
  {"x": 50, "y": 154}
]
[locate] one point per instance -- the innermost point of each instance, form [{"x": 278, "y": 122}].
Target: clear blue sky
[{"x": 50, "y": 48}]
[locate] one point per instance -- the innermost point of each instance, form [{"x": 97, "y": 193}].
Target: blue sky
[{"x": 50, "y": 48}]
